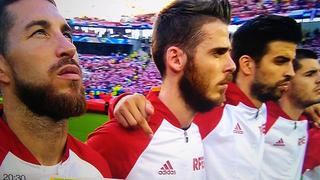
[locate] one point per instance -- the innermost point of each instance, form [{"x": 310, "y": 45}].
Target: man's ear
[
  {"x": 4, "y": 70},
  {"x": 246, "y": 65},
  {"x": 176, "y": 59}
]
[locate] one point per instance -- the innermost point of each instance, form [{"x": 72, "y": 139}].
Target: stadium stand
[
  {"x": 313, "y": 43},
  {"x": 110, "y": 68},
  {"x": 242, "y": 10},
  {"x": 119, "y": 73},
  {"x": 106, "y": 76}
]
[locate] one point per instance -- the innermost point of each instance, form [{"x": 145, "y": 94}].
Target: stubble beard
[
  {"x": 195, "y": 89},
  {"x": 43, "y": 100}
]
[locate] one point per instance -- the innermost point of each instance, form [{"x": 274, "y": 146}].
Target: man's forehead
[
  {"x": 282, "y": 48},
  {"x": 309, "y": 63},
  {"x": 216, "y": 34},
  {"x": 25, "y": 11}
]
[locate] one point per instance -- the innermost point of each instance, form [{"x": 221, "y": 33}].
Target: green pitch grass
[{"x": 81, "y": 126}]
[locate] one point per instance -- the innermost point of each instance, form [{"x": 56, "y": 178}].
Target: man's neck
[
  {"x": 173, "y": 99},
  {"x": 244, "y": 86},
  {"x": 290, "y": 108},
  {"x": 43, "y": 137}
]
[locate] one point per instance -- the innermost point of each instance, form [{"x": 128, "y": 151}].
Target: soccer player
[
  {"x": 263, "y": 49},
  {"x": 233, "y": 135},
  {"x": 191, "y": 49},
  {"x": 286, "y": 130},
  {"x": 311, "y": 168},
  {"x": 40, "y": 80}
]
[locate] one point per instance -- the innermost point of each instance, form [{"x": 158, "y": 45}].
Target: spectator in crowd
[
  {"x": 191, "y": 49},
  {"x": 134, "y": 74},
  {"x": 242, "y": 10},
  {"x": 313, "y": 43},
  {"x": 104, "y": 69},
  {"x": 286, "y": 130},
  {"x": 40, "y": 81},
  {"x": 263, "y": 50}
]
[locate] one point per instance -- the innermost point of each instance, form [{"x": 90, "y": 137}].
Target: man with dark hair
[
  {"x": 256, "y": 42},
  {"x": 286, "y": 130},
  {"x": 311, "y": 167},
  {"x": 233, "y": 135},
  {"x": 191, "y": 49},
  {"x": 40, "y": 80}
]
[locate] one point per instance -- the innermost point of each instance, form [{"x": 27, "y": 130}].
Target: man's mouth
[
  {"x": 317, "y": 90},
  {"x": 69, "y": 72},
  {"x": 284, "y": 85}
]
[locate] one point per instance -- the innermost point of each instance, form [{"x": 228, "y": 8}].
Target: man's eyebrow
[
  {"x": 282, "y": 58},
  {"x": 312, "y": 71},
  {"x": 219, "y": 50},
  {"x": 43, "y": 23}
]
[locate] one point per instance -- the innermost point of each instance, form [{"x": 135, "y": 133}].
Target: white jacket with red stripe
[
  {"x": 172, "y": 153},
  {"x": 312, "y": 159},
  {"x": 233, "y": 137},
  {"x": 78, "y": 161},
  {"x": 285, "y": 145}
]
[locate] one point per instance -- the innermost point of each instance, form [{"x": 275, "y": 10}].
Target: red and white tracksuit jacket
[
  {"x": 172, "y": 153},
  {"x": 233, "y": 137},
  {"x": 285, "y": 145},
  {"x": 79, "y": 160},
  {"x": 235, "y": 143},
  {"x": 312, "y": 159}
]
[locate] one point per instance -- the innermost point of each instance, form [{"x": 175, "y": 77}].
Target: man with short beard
[
  {"x": 191, "y": 49},
  {"x": 263, "y": 49},
  {"x": 40, "y": 80},
  {"x": 233, "y": 135},
  {"x": 286, "y": 130}
]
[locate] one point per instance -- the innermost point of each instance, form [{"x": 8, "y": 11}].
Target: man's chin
[
  {"x": 71, "y": 90},
  {"x": 218, "y": 99},
  {"x": 278, "y": 94}
]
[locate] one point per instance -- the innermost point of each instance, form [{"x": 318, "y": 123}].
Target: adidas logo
[
  {"x": 167, "y": 169},
  {"x": 302, "y": 141},
  {"x": 238, "y": 129},
  {"x": 262, "y": 129},
  {"x": 280, "y": 142}
]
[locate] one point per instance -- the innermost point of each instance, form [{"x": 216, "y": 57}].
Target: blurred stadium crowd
[
  {"x": 114, "y": 74},
  {"x": 242, "y": 10}
]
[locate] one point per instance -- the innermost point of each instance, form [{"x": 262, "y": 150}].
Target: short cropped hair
[
  {"x": 253, "y": 37},
  {"x": 179, "y": 24},
  {"x": 7, "y": 22},
  {"x": 302, "y": 54}
]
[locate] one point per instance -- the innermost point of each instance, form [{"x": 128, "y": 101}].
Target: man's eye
[
  {"x": 68, "y": 35},
  {"x": 40, "y": 32},
  {"x": 310, "y": 74},
  {"x": 221, "y": 51}
]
